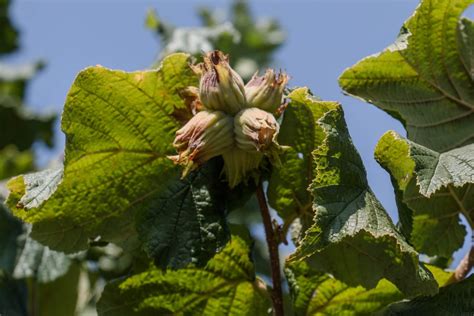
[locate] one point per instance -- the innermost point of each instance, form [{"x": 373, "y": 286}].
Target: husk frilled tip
[
  {"x": 266, "y": 92},
  {"x": 230, "y": 120},
  {"x": 256, "y": 130},
  {"x": 207, "y": 135},
  {"x": 221, "y": 87}
]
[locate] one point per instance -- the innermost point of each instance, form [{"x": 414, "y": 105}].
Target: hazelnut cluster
[{"x": 234, "y": 120}]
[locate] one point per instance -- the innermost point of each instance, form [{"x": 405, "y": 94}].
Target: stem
[
  {"x": 272, "y": 242},
  {"x": 467, "y": 263},
  {"x": 464, "y": 267},
  {"x": 32, "y": 302}
]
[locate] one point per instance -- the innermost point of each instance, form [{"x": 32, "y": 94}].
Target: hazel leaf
[
  {"x": 119, "y": 130},
  {"x": 350, "y": 225},
  {"x": 425, "y": 79},
  {"x": 288, "y": 187},
  {"x": 227, "y": 285},
  {"x": 316, "y": 293},
  {"x": 436, "y": 187}
]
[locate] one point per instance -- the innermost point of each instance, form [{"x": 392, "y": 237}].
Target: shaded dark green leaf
[
  {"x": 59, "y": 297},
  {"x": 22, "y": 128},
  {"x": 186, "y": 224},
  {"x": 13, "y": 296},
  {"x": 8, "y": 33},
  {"x": 10, "y": 229},
  {"x": 455, "y": 299}
]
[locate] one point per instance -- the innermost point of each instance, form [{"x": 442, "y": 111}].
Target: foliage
[
  {"x": 454, "y": 299},
  {"x": 10, "y": 229},
  {"x": 251, "y": 42},
  {"x": 425, "y": 80},
  {"x": 316, "y": 293},
  {"x": 287, "y": 189},
  {"x": 435, "y": 187},
  {"x": 26, "y": 266},
  {"x": 119, "y": 186},
  {"x": 350, "y": 222},
  {"x": 13, "y": 162},
  {"x": 19, "y": 127},
  {"x": 142, "y": 177},
  {"x": 427, "y": 69},
  {"x": 199, "y": 205},
  {"x": 226, "y": 285},
  {"x": 12, "y": 296},
  {"x": 8, "y": 33}
]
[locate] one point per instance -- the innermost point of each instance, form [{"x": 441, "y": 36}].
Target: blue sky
[{"x": 324, "y": 37}]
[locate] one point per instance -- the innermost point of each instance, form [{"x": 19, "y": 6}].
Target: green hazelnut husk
[
  {"x": 208, "y": 134},
  {"x": 266, "y": 92},
  {"x": 220, "y": 87}
]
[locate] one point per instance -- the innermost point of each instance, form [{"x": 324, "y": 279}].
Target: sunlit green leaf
[
  {"x": 425, "y": 79},
  {"x": 119, "y": 130},
  {"x": 112, "y": 302},
  {"x": 225, "y": 286},
  {"x": 31, "y": 190},
  {"x": 437, "y": 187},
  {"x": 316, "y": 293}
]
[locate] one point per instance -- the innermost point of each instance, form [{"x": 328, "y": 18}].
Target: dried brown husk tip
[
  {"x": 207, "y": 135},
  {"x": 256, "y": 131},
  {"x": 221, "y": 88},
  {"x": 266, "y": 92}
]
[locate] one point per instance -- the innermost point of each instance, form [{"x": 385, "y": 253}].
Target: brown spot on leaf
[{"x": 139, "y": 76}]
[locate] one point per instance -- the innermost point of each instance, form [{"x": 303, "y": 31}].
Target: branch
[
  {"x": 272, "y": 242},
  {"x": 463, "y": 268},
  {"x": 467, "y": 263}
]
